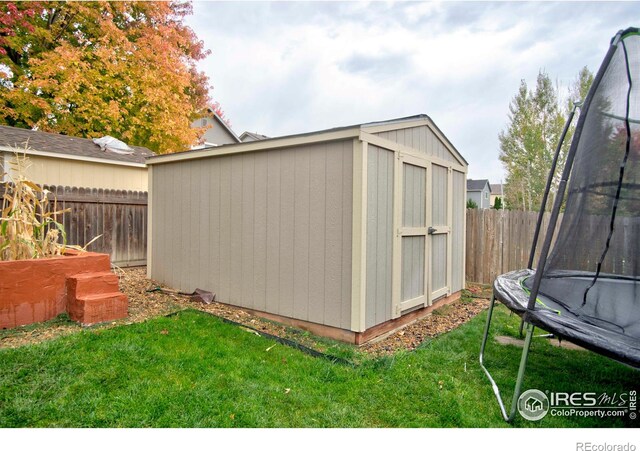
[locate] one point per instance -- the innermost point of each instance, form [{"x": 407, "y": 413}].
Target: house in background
[
  {"x": 218, "y": 132},
  {"x": 479, "y": 191},
  {"x": 250, "y": 137},
  {"x": 497, "y": 190},
  {"x": 71, "y": 161}
]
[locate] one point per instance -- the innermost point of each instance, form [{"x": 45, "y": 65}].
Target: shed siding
[
  {"x": 457, "y": 231},
  {"x": 412, "y": 270},
  {"x": 422, "y": 139},
  {"x": 413, "y": 196},
  {"x": 439, "y": 195},
  {"x": 380, "y": 183},
  {"x": 267, "y": 230},
  {"x": 439, "y": 202},
  {"x": 439, "y": 261}
]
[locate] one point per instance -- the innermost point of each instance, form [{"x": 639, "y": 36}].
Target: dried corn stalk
[{"x": 29, "y": 226}]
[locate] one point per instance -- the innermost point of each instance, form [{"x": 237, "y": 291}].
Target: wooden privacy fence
[
  {"x": 119, "y": 216},
  {"x": 499, "y": 241}
]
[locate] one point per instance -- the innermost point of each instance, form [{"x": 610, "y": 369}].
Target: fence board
[
  {"x": 499, "y": 242},
  {"x": 119, "y": 216}
]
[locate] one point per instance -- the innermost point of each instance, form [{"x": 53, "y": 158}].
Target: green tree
[
  {"x": 527, "y": 146},
  {"x": 577, "y": 93},
  {"x": 498, "y": 203},
  {"x": 125, "y": 69},
  {"x": 471, "y": 203},
  {"x": 580, "y": 87}
]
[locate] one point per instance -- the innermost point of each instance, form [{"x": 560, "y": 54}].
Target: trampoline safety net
[
  {"x": 592, "y": 272},
  {"x": 586, "y": 287}
]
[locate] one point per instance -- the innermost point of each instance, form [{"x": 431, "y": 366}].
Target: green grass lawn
[{"x": 193, "y": 370}]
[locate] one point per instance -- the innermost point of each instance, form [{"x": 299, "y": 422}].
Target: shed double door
[{"x": 423, "y": 239}]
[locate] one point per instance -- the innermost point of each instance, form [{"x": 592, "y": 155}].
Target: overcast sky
[{"x": 280, "y": 68}]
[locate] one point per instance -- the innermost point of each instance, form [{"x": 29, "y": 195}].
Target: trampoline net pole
[
  {"x": 567, "y": 171},
  {"x": 545, "y": 197}
]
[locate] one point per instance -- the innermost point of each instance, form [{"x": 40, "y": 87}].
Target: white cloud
[{"x": 283, "y": 68}]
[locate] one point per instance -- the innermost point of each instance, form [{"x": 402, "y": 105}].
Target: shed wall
[
  {"x": 457, "y": 231},
  {"x": 380, "y": 183},
  {"x": 413, "y": 265},
  {"x": 422, "y": 139},
  {"x": 439, "y": 217},
  {"x": 269, "y": 230},
  {"x": 446, "y": 191}
]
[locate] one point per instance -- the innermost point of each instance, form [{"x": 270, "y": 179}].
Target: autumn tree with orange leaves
[{"x": 125, "y": 69}]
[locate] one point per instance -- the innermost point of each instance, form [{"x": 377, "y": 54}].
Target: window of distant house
[
  {"x": 204, "y": 122},
  {"x": 486, "y": 195}
]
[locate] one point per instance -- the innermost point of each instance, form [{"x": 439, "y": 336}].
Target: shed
[
  {"x": 348, "y": 232},
  {"x": 69, "y": 160}
]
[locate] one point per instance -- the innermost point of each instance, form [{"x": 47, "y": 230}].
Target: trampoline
[{"x": 586, "y": 285}]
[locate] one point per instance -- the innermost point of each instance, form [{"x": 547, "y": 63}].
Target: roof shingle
[
  {"x": 66, "y": 145},
  {"x": 476, "y": 185}
]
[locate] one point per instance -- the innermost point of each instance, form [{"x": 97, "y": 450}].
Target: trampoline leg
[
  {"x": 523, "y": 364},
  {"x": 486, "y": 328},
  {"x": 521, "y": 327},
  {"x": 521, "y": 371},
  {"x": 494, "y": 386}
]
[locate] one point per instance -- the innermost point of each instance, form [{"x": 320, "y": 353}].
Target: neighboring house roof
[
  {"x": 497, "y": 189},
  {"x": 332, "y": 133},
  {"x": 248, "y": 136},
  {"x": 62, "y": 146},
  {"x": 476, "y": 185}
]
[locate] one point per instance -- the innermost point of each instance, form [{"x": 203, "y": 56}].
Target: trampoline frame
[{"x": 509, "y": 416}]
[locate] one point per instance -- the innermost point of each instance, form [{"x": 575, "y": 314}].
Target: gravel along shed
[{"x": 349, "y": 232}]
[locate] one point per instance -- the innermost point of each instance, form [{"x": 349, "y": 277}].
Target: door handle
[{"x": 431, "y": 230}]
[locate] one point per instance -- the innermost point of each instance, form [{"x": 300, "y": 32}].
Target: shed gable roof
[
  {"x": 351, "y": 131},
  {"x": 12, "y": 138}
]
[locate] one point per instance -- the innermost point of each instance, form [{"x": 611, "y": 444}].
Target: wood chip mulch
[
  {"x": 442, "y": 320},
  {"x": 144, "y": 305}
]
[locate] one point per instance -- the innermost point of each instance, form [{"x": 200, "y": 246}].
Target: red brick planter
[{"x": 80, "y": 283}]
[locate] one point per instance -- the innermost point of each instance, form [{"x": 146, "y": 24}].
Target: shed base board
[
  {"x": 357, "y": 338},
  {"x": 393, "y": 325}
]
